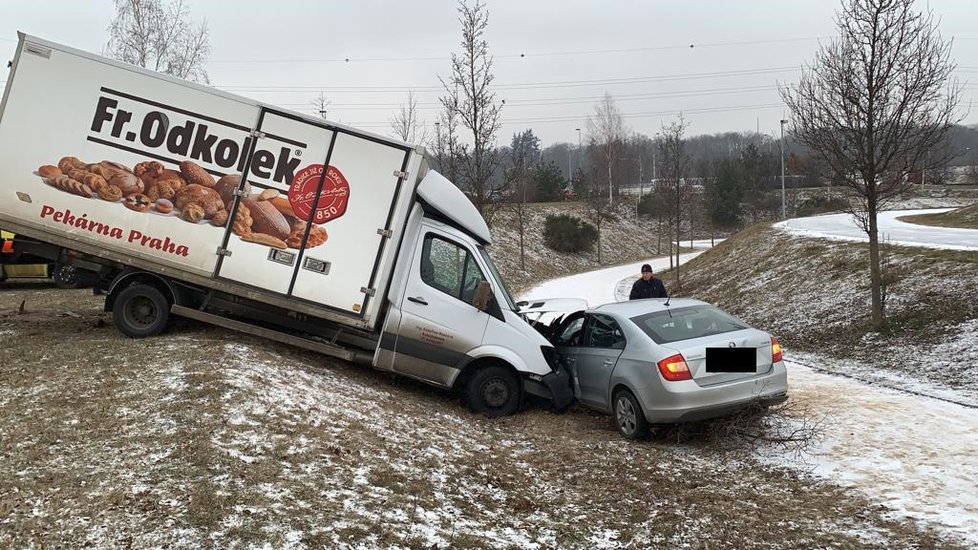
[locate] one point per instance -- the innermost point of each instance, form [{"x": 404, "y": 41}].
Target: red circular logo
[{"x": 332, "y": 200}]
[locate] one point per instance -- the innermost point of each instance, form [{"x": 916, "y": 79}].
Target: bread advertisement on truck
[{"x": 193, "y": 178}]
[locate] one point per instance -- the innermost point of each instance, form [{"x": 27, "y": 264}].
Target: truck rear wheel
[
  {"x": 140, "y": 310},
  {"x": 65, "y": 276},
  {"x": 493, "y": 391}
]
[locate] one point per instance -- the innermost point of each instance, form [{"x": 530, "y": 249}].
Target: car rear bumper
[{"x": 686, "y": 401}]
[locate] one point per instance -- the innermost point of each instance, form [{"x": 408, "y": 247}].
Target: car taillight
[
  {"x": 674, "y": 368},
  {"x": 776, "y": 354}
]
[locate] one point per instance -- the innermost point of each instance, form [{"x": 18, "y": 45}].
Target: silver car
[{"x": 665, "y": 361}]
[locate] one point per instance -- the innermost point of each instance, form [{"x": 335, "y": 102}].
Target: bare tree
[
  {"x": 407, "y": 125},
  {"x": 606, "y": 130},
  {"x": 875, "y": 104},
  {"x": 597, "y": 207},
  {"x": 524, "y": 155},
  {"x": 468, "y": 96},
  {"x": 319, "y": 105},
  {"x": 449, "y": 151},
  {"x": 160, "y": 36},
  {"x": 675, "y": 169}
]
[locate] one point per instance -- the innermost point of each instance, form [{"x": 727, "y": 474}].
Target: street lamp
[
  {"x": 655, "y": 145},
  {"x": 783, "y": 213}
]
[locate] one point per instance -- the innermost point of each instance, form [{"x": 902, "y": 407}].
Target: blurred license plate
[{"x": 731, "y": 359}]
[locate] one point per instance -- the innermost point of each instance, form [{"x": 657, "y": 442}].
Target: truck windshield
[{"x": 502, "y": 283}]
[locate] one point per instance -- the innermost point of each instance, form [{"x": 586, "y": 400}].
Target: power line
[
  {"x": 510, "y": 102},
  {"x": 646, "y": 114},
  {"x": 520, "y": 86},
  {"x": 524, "y": 55}
]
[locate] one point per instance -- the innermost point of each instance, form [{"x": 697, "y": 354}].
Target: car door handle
[
  {"x": 418, "y": 300},
  {"x": 609, "y": 362}
]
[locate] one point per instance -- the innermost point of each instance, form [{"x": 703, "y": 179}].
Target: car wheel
[
  {"x": 629, "y": 418},
  {"x": 140, "y": 311},
  {"x": 65, "y": 276},
  {"x": 493, "y": 391}
]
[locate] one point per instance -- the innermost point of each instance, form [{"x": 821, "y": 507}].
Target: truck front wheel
[
  {"x": 140, "y": 310},
  {"x": 493, "y": 391}
]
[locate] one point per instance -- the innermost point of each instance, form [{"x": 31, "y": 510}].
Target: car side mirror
[{"x": 483, "y": 293}]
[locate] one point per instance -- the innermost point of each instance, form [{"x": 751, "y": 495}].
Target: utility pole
[
  {"x": 783, "y": 212},
  {"x": 655, "y": 145},
  {"x": 641, "y": 185},
  {"x": 570, "y": 169},
  {"x": 579, "y": 163}
]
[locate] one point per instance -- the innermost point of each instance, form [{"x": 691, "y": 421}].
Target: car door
[
  {"x": 439, "y": 325},
  {"x": 600, "y": 348},
  {"x": 567, "y": 339}
]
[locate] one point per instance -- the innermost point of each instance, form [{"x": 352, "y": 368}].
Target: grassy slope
[
  {"x": 966, "y": 217},
  {"x": 623, "y": 240},
  {"x": 814, "y": 294},
  {"x": 201, "y": 437}
]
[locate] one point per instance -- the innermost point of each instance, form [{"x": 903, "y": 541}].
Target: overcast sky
[{"x": 718, "y": 61}]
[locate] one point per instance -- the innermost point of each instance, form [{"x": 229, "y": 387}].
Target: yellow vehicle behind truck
[{"x": 15, "y": 263}]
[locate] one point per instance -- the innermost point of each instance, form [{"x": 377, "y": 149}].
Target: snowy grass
[{"x": 203, "y": 438}]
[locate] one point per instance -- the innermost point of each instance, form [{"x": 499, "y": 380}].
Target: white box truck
[{"x": 189, "y": 201}]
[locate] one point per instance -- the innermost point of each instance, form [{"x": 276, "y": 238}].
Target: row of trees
[{"x": 873, "y": 111}]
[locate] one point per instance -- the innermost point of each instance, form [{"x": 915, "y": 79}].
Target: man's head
[{"x": 646, "y": 272}]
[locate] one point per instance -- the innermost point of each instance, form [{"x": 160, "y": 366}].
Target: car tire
[
  {"x": 140, "y": 311},
  {"x": 66, "y": 276},
  {"x": 628, "y": 416},
  {"x": 493, "y": 391}
]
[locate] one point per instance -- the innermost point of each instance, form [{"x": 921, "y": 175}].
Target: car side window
[
  {"x": 570, "y": 334},
  {"x": 450, "y": 268},
  {"x": 604, "y": 332}
]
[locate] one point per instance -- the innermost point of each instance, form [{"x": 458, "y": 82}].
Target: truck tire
[
  {"x": 65, "y": 276},
  {"x": 493, "y": 391},
  {"x": 140, "y": 310}
]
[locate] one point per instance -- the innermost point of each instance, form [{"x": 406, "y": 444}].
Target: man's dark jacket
[{"x": 653, "y": 288}]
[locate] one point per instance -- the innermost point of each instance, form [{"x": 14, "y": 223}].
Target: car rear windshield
[{"x": 673, "y": 325}]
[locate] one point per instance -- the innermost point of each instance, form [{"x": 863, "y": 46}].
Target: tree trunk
[
  {"x": 522, "y": 254},
  {"x": 875, "y": 276},
  {"x": 678, "y": 241},
  {"x": 658, "y": 235}
]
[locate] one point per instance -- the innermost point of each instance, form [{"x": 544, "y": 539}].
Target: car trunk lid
[{"x": 732, "y": 356}]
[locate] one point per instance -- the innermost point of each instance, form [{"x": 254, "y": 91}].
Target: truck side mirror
[{"x": 483, "y": 293}]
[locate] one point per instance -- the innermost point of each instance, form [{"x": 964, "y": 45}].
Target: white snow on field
[
  {"x": 914, "y": 454},
  {"x": 911, "y": 453},
  {"x": 844, "y": 227}
]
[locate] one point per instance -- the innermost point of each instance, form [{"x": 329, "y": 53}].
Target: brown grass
[{"x": 965, "y": 217}]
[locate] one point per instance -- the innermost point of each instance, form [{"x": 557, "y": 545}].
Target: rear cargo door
[{"x": 318, "y": 215}]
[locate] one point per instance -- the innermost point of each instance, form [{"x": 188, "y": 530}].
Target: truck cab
[{"x": 452, "y": 321}]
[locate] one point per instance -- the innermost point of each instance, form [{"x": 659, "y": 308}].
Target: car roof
[{"x": 634, "y": 308}]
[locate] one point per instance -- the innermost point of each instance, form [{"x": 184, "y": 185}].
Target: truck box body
[
  {"x": 185, "y": 200},
  {"x": 65, "y": 103}
]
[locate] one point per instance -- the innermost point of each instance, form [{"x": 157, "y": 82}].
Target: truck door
[
  {"x": 439, "y": 325},
  {"x": 320, "y": 210}
]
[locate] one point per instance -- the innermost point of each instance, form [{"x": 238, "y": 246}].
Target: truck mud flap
[{"x": 304, "y": 343}]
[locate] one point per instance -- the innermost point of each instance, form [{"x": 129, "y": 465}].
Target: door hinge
[
  {"x": 368, "y": 291},
  {"x": 223, "y": 252},
  {"x": 386, "y": 233},
  {"x": 400, "y": 174},
  {"x": 258, "y": 134}
]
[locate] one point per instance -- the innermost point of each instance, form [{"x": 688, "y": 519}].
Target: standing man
[{"x": 648, "y": 286}]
